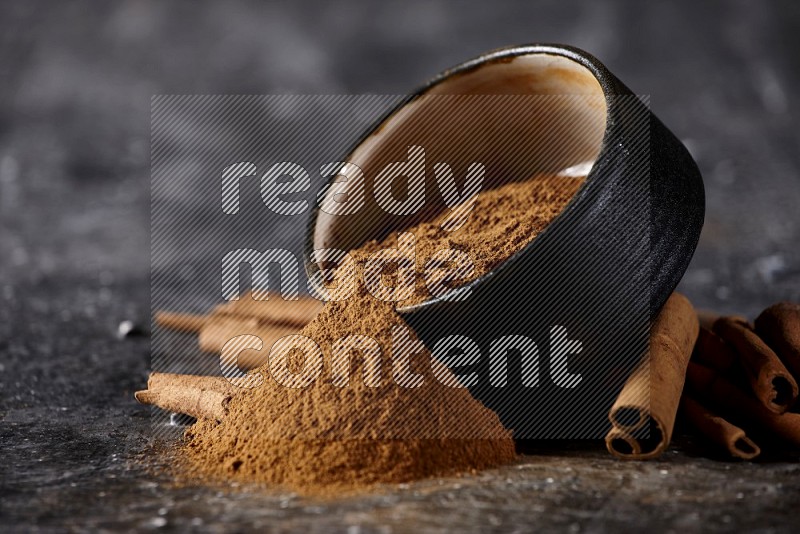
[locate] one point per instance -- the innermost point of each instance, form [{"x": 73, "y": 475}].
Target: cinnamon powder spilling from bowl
[
  {"x": 328, "y": 438},
  {"x": 501, "y": 223}
]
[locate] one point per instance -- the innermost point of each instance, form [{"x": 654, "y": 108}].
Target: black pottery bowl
[{"x": 598, "y": 274}]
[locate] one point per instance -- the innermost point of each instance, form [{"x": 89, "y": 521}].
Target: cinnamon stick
[
  {"x": 779, "y": 326},
  {"x": 651, "y": 396},
  {"x": 220, "y": 330},
  {"x": 712, "y": 351},
  {"x": 769, "y": 379},
  {"x": 202, "y": 397},
  {"x": 276, "y": 311},
  {"x": 707, "y": 318},
  {"x": 296, "y": 313},
  {"x": 736, "y": 402},
  {"x": 621, "y": 442},
  {"x": 182, "y": 322},
  {"x": 719, "y": 431}
]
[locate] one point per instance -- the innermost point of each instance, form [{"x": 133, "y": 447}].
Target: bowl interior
[{"x": 517, "y": 116}]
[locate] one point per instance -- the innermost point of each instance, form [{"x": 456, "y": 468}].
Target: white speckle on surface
[
  {"x": 177, "y": 419},
  {"x": 125, "y": 328}
]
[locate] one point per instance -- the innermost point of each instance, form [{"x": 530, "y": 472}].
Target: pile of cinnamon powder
[{"x": 327, "y": 438}]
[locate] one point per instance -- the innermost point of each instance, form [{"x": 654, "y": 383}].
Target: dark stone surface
[{"x": 74, "y": 260}]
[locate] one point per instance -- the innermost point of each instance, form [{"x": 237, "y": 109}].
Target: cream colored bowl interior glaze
[{"x": 517, "y": 116}]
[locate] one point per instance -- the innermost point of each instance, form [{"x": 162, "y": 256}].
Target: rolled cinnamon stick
[
  {"x": 779, "y": 326},
  {"x": 202, "y": 397},
  {"x": 276, "y": 311},
  {"x": 712, "y": 351},
  {"x": 719, "y": 431},
  {"x": 769, "y": 379},
  {"x": 220, "y": 330},
  {"x": 652, "y": 394},
  {"x": 707, "y": 318},
  {"x": 735, "y": 401},
  {"x": 621, "y": 442},
  {"x": 182, "y": 322},
  {"x": 296, "y": 313}
]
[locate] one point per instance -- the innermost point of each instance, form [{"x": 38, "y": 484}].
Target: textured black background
[{"x": 75, "y": 86}]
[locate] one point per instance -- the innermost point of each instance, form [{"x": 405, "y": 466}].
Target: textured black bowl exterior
[{"x": 602, "y": 269}]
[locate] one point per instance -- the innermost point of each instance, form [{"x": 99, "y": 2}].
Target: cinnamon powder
[
  {"x": 502, "y": 221},
  {"x": 328, "y": 438}
]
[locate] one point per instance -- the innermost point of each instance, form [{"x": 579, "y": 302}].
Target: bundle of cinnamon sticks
[
  {"x": 735, "y": 383},
  {"x": 207, "y": 397},
  {"x": 270, "y": 320}
]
